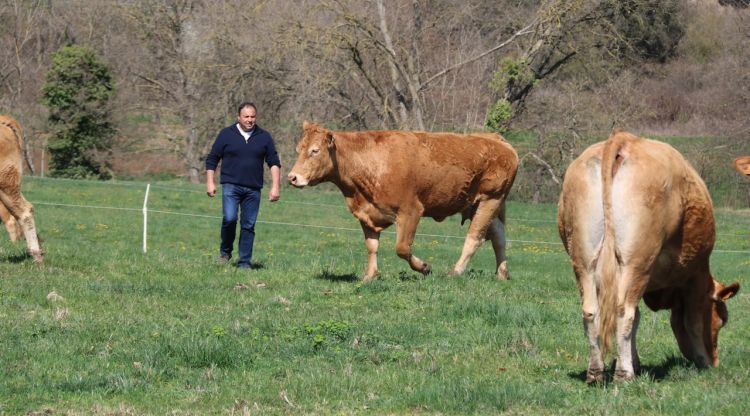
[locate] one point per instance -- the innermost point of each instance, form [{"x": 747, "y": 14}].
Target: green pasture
[{"x": 102, "y": 328}]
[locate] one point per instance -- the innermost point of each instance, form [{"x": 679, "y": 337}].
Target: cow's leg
[
  {"x": 590, "y": 308},
  {"x": 696, "y": 321},
  {"x": 677, "y": 320},
  {"x": 630, "y": 291},
  {"x": 22, "y": 210},
  {"x": 496, "y": 233},
  {"x": 486, "y": 212},
  {"x": 407, "y": 227},
  {"x": 633, "y": 348},
  {"x": 14, "y": 230},
  {"x": 372, "y": 241}
]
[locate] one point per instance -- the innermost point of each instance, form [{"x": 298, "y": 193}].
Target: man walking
[{"x": 242, "y": 148}]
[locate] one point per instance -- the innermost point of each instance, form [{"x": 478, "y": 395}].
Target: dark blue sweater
[{"x": 242, "y": 163}]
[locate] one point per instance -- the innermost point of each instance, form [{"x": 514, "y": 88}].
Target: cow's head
[
  {"x": 315, "y": 157},
  {"x": 719, "y": 315},
  {"x": 742, "y": 164}
]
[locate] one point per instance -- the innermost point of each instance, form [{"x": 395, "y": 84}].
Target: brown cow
[
  {"x": 637, "y": 221},
  {"x": 742, "y": 164},
  {"x": 398, "y": 177},
  {"x": 16, "y": 212}
]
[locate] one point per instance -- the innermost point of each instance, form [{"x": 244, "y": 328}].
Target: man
[{"x": 242, "y": 148}]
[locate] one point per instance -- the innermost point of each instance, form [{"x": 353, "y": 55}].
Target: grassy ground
[{"x": 102, "y": 328}]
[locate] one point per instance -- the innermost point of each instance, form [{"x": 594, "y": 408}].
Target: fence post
[{"x": 145, "y": 216}]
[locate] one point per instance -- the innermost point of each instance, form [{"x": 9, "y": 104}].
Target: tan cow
[
  {"x": 638, "y": 221},
  {"x": 15, "y": 211},
  {"x": 742, "y": 164},
  {"x": 399, "y": 176}
]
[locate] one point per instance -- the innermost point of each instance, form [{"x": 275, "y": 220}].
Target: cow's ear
[
  {"x": 728, "y": 292},
  {"x": 305, "y": 125},
  {"x": 330, "y": 139}
]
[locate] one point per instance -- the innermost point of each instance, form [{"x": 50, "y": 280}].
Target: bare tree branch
[
  {"x": 525, "y": 31},
  {"x": 543, "y": 163}
]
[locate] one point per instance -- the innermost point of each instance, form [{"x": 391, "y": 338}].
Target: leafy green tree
[
  {"x": 563, "y": 30},
  {"x": 77, "y": 92}
]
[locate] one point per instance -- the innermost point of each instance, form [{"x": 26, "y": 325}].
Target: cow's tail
[{"x": 612, "y": 158}]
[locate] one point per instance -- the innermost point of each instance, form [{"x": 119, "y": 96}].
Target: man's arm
[
  {"x": 210, "y": 185},
  {"x": 212, "y": 162},
  {"x": 274, "y": 194}
]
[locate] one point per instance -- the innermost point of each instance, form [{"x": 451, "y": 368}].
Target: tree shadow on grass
[
  {"x": 656, "y": 373},
  {"x": 326, "y": 275}
]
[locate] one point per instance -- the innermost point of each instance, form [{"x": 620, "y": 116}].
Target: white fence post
[{"x": 145, "y": 216}]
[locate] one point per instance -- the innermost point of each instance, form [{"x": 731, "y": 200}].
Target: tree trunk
[{"x": 192, "y": 158}]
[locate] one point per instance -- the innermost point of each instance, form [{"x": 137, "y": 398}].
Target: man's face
[{"x": 246, "y": 118}]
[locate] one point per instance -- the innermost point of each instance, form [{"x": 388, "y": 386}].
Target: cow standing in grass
[
  {"x": 15, "y": 211},
  {"x": 638, "y": 222},
  {"x": 398, "y": 177}
]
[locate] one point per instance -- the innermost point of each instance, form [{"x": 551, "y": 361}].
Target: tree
[
  {"x": 77, "y": 90},
  {"x": 27, "y": 39},
  {"x": 632, "y": 30},
  {"x": 389, "y": 63},
  {"x": 192, "y": 72}
]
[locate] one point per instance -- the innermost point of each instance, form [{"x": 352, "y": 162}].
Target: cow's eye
[{"x": 314, "y": 151}]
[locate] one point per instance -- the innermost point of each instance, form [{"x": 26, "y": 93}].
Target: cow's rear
[
  {"x": 637, "y": 221},
  {"x": 16, "y": 211}
]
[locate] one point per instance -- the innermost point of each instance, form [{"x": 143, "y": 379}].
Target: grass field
[{"x": 102, "y": 328}]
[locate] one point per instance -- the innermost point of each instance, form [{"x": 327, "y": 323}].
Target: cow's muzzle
[{"x": 296, "y": 180}]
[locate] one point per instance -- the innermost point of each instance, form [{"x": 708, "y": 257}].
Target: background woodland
[{"x": 553, "y": 76}]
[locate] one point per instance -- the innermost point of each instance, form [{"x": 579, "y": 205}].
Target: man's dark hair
[{"x": 246, "y": 104}]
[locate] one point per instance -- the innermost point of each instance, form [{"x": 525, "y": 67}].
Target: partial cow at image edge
[
  {"x": 742, "y": 164},
  {"x": 15, "y": 211}
]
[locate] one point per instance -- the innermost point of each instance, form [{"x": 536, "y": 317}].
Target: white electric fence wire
[
  {"x": 292, "y": 224},
  {"x": 171, "y": 188}
]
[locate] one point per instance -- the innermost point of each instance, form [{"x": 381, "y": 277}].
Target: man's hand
[
  {"x": 273, "y": 194},
  {"x": 210, "y": 186}
]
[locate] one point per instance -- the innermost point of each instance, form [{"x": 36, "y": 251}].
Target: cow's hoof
[
  {"x": 426, "y": 269},
  {"x": 594, "y": 376},
  {"x": 622, "y": 375},
  {"x": 38, "y": 257},
  {"x": 366, "y": 279},
  {"x": 502, "y": 272}
]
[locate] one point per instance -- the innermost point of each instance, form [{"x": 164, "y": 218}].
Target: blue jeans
[{"x": 247, "y": 201}]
